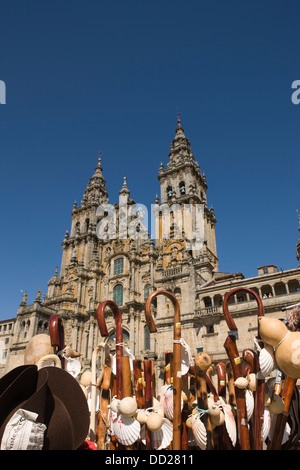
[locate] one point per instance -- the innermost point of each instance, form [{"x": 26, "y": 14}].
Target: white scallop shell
[
  {"x": 166, "y": 399},
  {"x": 266, "y": 360},
  {"x": 163, "y": 437},
  {"x": 230, "y": 424},
  {"x": 249, "y": 403},
  {"x": 199, "y": 432},
  {"x": 266, "y": 424},
  {"x": 126, "y": 430}
]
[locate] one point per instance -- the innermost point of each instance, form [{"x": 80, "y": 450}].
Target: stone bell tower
[{"x": 183, "y": 186}]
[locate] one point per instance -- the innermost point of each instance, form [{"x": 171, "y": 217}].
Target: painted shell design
[
  {"x": 266, "y": 424},
  {"x": 166, "y": 399},
  {"x": 266, "y": 360},
  {"x": 230, "y": 424},
  {"x": 200, "y": 433},
  {"x": 126, "y": 430}
]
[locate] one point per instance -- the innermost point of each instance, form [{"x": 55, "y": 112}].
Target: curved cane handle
[
  {"x": 229, "y": 320},
  {"x": 176, "y": 358},
  {"x": 149, "y": 319},
  {"x": 101, "y": 318}
]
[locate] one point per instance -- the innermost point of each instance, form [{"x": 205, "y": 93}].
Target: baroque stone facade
[{"x": 127, "y": 268}]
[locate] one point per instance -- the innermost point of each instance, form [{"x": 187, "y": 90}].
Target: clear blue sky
[{"x": 84, "y": 76}]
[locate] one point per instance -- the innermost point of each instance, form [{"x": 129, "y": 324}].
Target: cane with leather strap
[{"x": 176, "y": 360}]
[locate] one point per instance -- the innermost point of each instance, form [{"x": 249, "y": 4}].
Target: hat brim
[{"x": 55, "y": 396}]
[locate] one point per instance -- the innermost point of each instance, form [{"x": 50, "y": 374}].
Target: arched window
[
  {"x": 146, "y": 291},
  {"x": 118, "y": 295},
  {"x": 169, "y": 192},
  {"x": 182, "y": 187},
  {"x": 118, "y": 265},
  {"x": 207, "y": 302}
]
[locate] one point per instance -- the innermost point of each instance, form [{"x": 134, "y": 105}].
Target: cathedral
[{"x": 100, "y": 261}]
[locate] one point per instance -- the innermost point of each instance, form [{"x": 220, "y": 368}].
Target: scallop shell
[
  {"x": 266, "y": 424},
  {"x": 126, "y": 430},
  {"x": 167, "y": 402},
  {"x": 230, "y": 424},
  {"x": 163, "y": 437},
  {"x": 199, "y": 432},
  {"x": 266, "y": 360},
  {"x": 249, "y": 403}
]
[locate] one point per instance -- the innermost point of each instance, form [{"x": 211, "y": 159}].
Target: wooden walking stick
[
  {"x": 139, "y": 383},
  {"x": 104, "y": 400},
  {"x": 57, "y": 336},
  {"x": 236, "y": 364},
  {"x": 119, "y": 338},
  {"x": 221, "y": 374},
  {"x": 168, "y": 370},
  {"x": 202, "y": 363},
  {"x": 231, "y": 388},
  {"x": 237, "y": 369},
  {"x": 176, "y": 360},
  {"x": 281, "y": 419},
  {"x": 126, "y": 377},
  {"x": 148, "y": 395},
  {"x": 94, "y": 392}
]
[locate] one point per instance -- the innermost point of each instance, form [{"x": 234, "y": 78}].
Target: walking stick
[
  {"x": 281, "y": 419},
  {"x": 168, "y": 370},
  {"x": 103, "y": 404},
  {"x": 202, "y": 363},
  {"x": 231, "y": 389},
  {"x": 235, "y": 361},
  {"x": 148, "y": 396},
  {"x": 119, "y": 338},
  {"x": 251, "y": 358},
  {"x": 94, "y": 392},
  {"x": 57, "y": 336},
  {"x": 260, "y": 388},
  {"x": 221, "y": 374},
  {"x": 139, "y": 383},
  {"x": 176, "y": 360}
]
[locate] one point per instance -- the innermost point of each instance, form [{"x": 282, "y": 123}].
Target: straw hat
[{"x": 54, "y": 396}]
